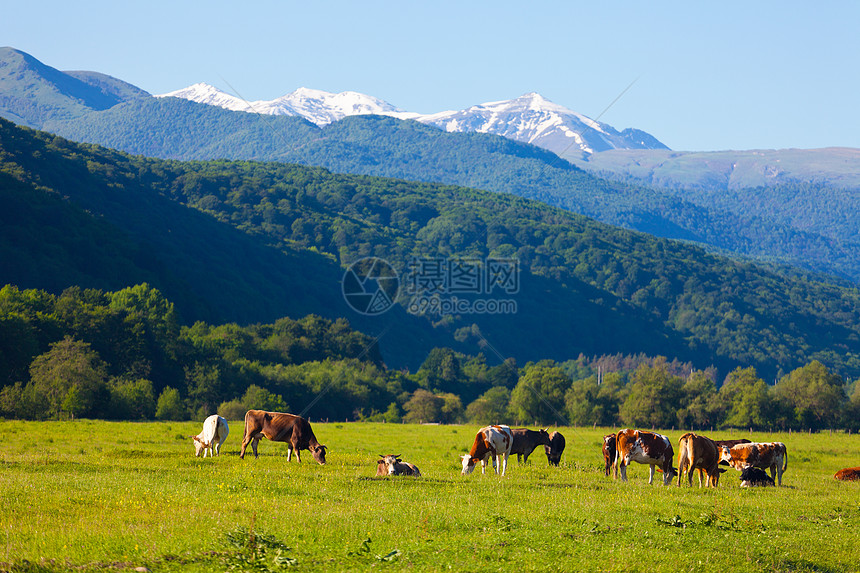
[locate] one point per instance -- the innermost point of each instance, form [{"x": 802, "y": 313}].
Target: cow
[
  {"x": 771, "y": 455},
  {"x": 490, "y": 441},
  {"x": 755, "y": 477},
  {"x": 525, "y": 441},
  {"x": 730, "y": 444},
  {"x": 555, "y": 448},
  {"x": 392, "y": 465},
  {"x": 645, "y": 448},
  {"x": 698, "y": 453},
  {"x": 848, "y": 474},
  {"x": 609, "y": 453},
  {"x": 280, "y": 427},
  {"x": 209, "y": 440}
]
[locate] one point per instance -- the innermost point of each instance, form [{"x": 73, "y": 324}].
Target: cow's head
[
  {"x": 199, "y": 445},
  {"x": 667, "y": 476},
  {"x": 726, "y": 455},
  {"x": 390, "y": 461},
  {"x": 468, "y": 464},
  {"x": 318, "y": 452}
]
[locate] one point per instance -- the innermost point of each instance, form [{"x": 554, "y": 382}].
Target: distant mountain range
[{"x": 800, "y": 216}]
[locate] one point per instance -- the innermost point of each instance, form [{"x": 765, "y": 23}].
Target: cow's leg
[
  {"x": 776, "y": 469},
  {"x": 623, "y": 467},
  {"x": 701, "y": 471},
  {"x": 245, "y": 441},
  {"x": 298, "y": 456},
  {"x": 526, "y": 457},
  {"x": 254, "y": 443},
  {"x": 651, "y": 474},
  {"x": 503, "y": 462}
]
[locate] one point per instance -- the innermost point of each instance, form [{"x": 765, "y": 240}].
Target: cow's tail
[{"x": 784, "y": 460}]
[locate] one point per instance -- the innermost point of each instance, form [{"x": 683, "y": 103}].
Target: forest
[{"x": 123, "y": 355}]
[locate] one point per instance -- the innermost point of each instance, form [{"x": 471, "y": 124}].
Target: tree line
[{"x": 123, "y": 355}]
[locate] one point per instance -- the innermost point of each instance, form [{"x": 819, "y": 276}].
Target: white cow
[
  {"x": 214, "y": 433},
  {"x": 490, "y": 442}
]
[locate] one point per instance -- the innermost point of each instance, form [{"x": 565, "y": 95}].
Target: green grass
[{"x": 90, "y": 495}]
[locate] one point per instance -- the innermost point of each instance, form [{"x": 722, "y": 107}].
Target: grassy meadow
[{"x": 94, "y": 495}]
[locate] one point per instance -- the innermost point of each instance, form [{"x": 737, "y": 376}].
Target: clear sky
[{"x": 708, "y": 76}]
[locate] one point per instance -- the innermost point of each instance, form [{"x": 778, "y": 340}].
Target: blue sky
[{"x": 727, "y": 75}]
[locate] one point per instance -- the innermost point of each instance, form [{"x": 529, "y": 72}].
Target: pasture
[{"x": 92, "y": 495}]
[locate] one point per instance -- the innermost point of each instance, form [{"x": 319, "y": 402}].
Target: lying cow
[
  {"x": 209, "y": 440},
  {"x": 848, "y": 474},
  {"x": 392, "y": 465},
  {"x": 280, "y": 427},
  {"x": 771, "y": 455},
  {"x": 525, "y": 441},
  {"x": 698, "y": 453},
  {"x": 490, "y": 442},
  {"x": 755, "y": 477},
  {"x": 609, "y": 453},
  {"x": 645, "y": 448},
  {"x": 555, "y": 448}
]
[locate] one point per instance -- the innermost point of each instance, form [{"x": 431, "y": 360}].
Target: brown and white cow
[
  {"x": 698, "y": 453},
  {"x": 609, "y": 453},
  {"x": 848, "y": 474},
  {"x": 490, "y": 442},
  {"x": 525, "y": 441},
  {"x": 209, "y": 440},
  {"x": 730, "y": 444},
  {"x": 555, "y": 448},
  {"x": 281, "y": 427},
  {"x": 644, "y": 447},
  {"x": 392, "y": 465},
  {"x": 771, "y": 455}
]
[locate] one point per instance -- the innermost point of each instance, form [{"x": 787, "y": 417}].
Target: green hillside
[{"x": 253, "y": 242}]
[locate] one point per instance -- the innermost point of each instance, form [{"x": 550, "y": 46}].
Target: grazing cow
[
  {"x": 525, "y": 441},
  {"x": 491, "y": 441},
  {"x": 771, "y": 455},
  {"x": 698, "y": 453},
  {"x": 609, "y": 453},
  {"x": 645, "y": 448},
  {"x": 730, "y": 444},
  {"x": 755, "y": 477},
  {"x": 279, "y": 427},
  {"x": 392, "y": 465},
  {"x": 848, "y": 474},
  {"x": 555, "y": 448},
  {"x": 214, "y": 433}
]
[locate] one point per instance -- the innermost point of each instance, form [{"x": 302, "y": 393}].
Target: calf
[
  {"x": 491, "y": 441},
  {"x": 392, "y": 465},
  {"x": 771, "y": 455},
  {"x": 280, "y": 427},
  {"x": 848, "y": 474},
  {"x": 525, "y": 441},
  {"x": 645, "y": 448},
  {"x": 755, "y": 477},
  {"x": 555, "y": 448},
  {"x": 609, "y": 453},
  {"x": 698, "y": 453},
  {"x": 209, "y": 440}
]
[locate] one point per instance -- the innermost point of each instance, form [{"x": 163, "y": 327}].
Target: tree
[
  {"x": 813, "y": 394},
  {"x": 423, "y": 406},
  {"x": 539, "y": 394},
  {"x": 702, "y": 405},
  {"x": 71, "y": 378},
  {"x": 133, "y": 399},
  {"x": 749, "y": 402},
  {"x": 170, "y": 406},
  {"x": 491, "y": 407},
  {"x": 654, "y": 397}
]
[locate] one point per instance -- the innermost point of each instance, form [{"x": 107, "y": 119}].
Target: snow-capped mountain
[
  {"x": 529, "y": 118},
  {"x": 316, "y": 106}
]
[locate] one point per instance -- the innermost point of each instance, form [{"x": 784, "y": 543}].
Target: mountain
[
  {"x": 529, "y": 118},
  {"x": 837, "y": 167},
  {"x": 32, "y": 92},
  {"x": 251, "y": 241}
]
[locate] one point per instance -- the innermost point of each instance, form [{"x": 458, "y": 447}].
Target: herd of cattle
[{"x": 497, "y": 443}]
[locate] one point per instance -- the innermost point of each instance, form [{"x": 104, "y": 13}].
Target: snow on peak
[{"x": 530, "y": 118}]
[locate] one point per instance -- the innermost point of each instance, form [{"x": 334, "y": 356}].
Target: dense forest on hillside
[
  {"x": 123, "y": 355},
  {"x": 383, "y": 146},
  {"x": 586, "y": 288}
]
